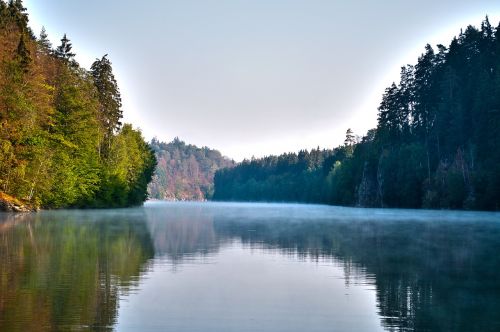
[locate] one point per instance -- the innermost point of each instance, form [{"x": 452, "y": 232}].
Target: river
[{"x": 249, "y": 267}]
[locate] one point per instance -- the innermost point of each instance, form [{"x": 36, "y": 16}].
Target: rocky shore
[{"x": 11, "y": 204}]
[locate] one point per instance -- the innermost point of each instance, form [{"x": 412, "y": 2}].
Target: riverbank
[{"x": 12, "y": 204}]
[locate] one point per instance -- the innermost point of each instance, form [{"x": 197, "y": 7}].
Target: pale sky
[{"x": 255, "y": 77}]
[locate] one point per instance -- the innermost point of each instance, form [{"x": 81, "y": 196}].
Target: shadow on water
[{"x": 432, "y": 271}]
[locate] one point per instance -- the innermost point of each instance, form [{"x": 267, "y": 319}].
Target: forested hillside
[
  {"x": 184, "y": 171},
  {"x": 437, "y": 143},
  {"x": 289, "y": 177},
  {"x": 62, "y": 143}
]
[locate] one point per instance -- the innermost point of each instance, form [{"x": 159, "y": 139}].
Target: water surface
[{"x": 249, "y": 267}]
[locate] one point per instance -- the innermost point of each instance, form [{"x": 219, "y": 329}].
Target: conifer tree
[
  {"x": 63, "y": 51},
  {"x": 350, "y": 139},
  {"x": 23, "y": 54},
  {"x": 51, "y": 125},
  {"x": 3, "y": 12},
  {"x": 110, "y": 112},
  {"x": 44, "y": 41},
  {"x": 18, "y": 12}
]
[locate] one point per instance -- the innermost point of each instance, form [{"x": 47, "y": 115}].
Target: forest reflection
[
  {"x": 68, "y": 269},
  {"x": 432, "y": 271}
]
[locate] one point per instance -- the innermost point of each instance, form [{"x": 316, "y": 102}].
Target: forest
[
  {"x": 62, "y": 143},
  {"x": 185, "y": 172},
  {"x": 436, "y": 144}
]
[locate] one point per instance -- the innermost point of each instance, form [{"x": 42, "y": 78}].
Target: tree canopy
[
  {"x": 62, "y": 143},
  {"x": 436, "y": 145},
  {"x": 185, "y": 171}
]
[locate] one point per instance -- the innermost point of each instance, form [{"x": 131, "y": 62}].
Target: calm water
[{"x": 250, "y": 267}]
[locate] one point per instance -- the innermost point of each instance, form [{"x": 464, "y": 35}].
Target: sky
[{"x": 255, "y": 77}]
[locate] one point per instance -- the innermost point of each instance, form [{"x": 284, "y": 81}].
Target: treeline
[
  {"x": 289, "y": 177},
  {"x": 437, "y": 143},
  {"x": 185, "y": 172},
  {"x": 62, "y": 143}
]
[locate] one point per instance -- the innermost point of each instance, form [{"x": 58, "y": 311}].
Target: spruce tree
[
  {"x": 18, "y": 12},
  {"x": 44, "y": 41},
  {"x": 110, "y": 112},
  {"x": 3, "y": 13},
  {"x": 23, "y": 54},
  {"x": 63, "y": 51}
]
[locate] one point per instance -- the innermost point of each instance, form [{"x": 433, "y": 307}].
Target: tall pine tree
[
  {"x": 64, "y": 53},
  {"x": 110, "y": 112},
  {"x": 44, "y": 42}
]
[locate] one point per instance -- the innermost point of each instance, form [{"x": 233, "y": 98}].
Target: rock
[{"x": 11, "y": 204}]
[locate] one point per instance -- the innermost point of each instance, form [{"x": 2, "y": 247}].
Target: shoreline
[{"x": 12, "y": 204}]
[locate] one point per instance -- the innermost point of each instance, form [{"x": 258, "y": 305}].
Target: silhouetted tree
[{"x": 63, "y": 51}]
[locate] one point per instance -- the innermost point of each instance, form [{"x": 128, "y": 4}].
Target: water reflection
[
  {"x": 67, "y": 270},
  {"x": 430, "y": 271},
  {"x": 185, "y": 232}
]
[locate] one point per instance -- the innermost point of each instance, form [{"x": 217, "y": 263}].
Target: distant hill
[{"x": 185, "y": 171}]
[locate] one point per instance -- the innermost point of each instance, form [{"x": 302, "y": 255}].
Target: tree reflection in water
[
  {"x": 430, "y": 274},
  {"x": 66, "y": 270},
  {"x": 431, "y": 271}
]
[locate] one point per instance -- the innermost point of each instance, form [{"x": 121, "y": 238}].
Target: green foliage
[
  {"x": 63, "y": 51},
  {"x": 289, "y": 177},
  {"x": 128, "y": 170},
  {"x": 110, "y": 112},
  {"x": 68, "y": 273},
  {"x": 51, "y": 126},
  {"x": 23, "y": 54},
  {"x": 44, "y": 42},
  {"x": 437, "y": 143}
]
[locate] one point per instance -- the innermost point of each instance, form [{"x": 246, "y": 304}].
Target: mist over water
[{"x": 250, "y": 267}]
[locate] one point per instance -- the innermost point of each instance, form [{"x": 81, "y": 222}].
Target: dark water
[{"x": 249, "y": 267}]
